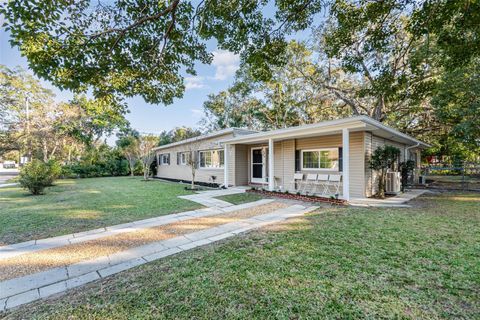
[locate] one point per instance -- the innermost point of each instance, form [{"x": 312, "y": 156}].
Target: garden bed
[{"x": 299, "y": 197}]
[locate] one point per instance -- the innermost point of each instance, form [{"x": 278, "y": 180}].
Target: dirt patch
[{"x": 58, "y": 257}]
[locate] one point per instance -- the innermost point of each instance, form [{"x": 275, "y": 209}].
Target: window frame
[
  {"x": 183, "y": 158},
  {"x": 221, "y": 161},
  {"x": 319, "y": 159},
  {"x": 161, "y": 158}
]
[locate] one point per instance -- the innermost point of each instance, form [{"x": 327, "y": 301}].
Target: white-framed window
[
  {"x": 182, "y": 158},
  {"x": 211, "y": 159},
  {"x": 320, "y": 159},
  {"x": 164, "y": 159}
]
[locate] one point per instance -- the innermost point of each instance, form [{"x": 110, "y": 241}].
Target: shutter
[
  {"x": 340, "y": 159},
  {"x": 168, "y": 158},
  {"x": 297, "y": 160},
  {"x": 178, "y": 158}
]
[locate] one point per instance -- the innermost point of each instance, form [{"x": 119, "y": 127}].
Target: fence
[{"x": 465, "y": 176}]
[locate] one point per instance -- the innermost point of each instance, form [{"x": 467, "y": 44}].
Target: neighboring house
[{"x": 238, "y": 157}]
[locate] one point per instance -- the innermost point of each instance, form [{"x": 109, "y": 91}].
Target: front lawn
[
  {"x": 240, "y": 198},
  {"x": 83, "y": 204},
  {"x": 338, "y": 263}
]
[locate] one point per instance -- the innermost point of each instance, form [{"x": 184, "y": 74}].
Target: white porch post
[
  {"x": 346, "y": 163},
  {"x": 271, "y": 162},
  {"x": 225, "y": 166}
]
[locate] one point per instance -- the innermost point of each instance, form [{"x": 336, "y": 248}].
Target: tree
[
  {"x": 383, "y": 159},
  {"x": 177, "y": 134},
  {"x": 192, "y": 159},
  {"x": 145, "y": 152},
  {"x": 129, "y": 146},
  {"x": 125, "y": 48},
  {"x": 34, "y": 124},
  {"x": 290, "y": 97}
]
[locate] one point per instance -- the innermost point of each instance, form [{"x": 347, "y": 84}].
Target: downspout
[{"x": 408, "y": 148}]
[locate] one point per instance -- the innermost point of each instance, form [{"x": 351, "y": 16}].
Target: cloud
[
  {"x": 226, "y": 64},
  {"x": 197, "y": 113},
  {"x": 194, "y": 83}
]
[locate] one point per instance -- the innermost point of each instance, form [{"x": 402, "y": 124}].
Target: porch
[{"x": 317, "y": 163}]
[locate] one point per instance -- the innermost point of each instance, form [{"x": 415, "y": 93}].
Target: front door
[{"x": 259, "y": 165}]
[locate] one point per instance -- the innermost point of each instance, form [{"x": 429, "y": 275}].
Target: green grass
[
  {"x": 339, "y": 263},
  {"x": 240, "y": 198},
  {"x": 83, "y": 204}
]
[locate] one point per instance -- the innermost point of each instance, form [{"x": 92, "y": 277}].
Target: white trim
[
  {"x": 264, "y": 174},
  {"x": 271, "y": 166},
  {"x": 225, "y": 166},
  {"x": 235, "y": 131},
  {"x": 319, "y": 169},
  {"x": 346, "y": 164},
  {"x": 162, "y": 163},
  {"x": 181, "y": 154},
  {"x": 325, "y": 127}
]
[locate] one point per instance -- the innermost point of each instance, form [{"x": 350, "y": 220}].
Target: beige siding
[
  {"x": 241, "y": 165},
  {"x": 288, "y": 152},
  {"x": 184, "y": 172},
  {"x": 357, "y": 165},
  {"x": 278, "y": 163}
]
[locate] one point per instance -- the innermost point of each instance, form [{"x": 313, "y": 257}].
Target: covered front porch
[{"x": 313, "y": 161}]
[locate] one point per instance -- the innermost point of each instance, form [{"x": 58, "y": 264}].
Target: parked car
[{"x": 9, "y": 164}]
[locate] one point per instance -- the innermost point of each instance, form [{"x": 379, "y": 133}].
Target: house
[{"x": 238, "y": 157}]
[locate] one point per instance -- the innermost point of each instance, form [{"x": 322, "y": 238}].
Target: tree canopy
[{"x": 143, "y": 47}]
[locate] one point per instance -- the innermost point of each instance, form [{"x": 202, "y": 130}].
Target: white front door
[{"x": 259, "y": 165}]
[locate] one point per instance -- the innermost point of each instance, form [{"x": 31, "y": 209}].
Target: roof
[
  {"x": 235, "y": 131},
  {"x": 356, "y": 123}
]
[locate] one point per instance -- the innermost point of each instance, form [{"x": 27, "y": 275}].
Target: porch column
[
  {"x": 346, "y": 163},
  {"x": 271, "y": 163},
  {"x": 225, "y": 166}
]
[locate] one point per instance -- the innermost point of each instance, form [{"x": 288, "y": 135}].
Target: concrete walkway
[
  {"x": 398, "y": 201},
  {"x": 207, "y": 198},
  {"x": 7, "y": 174},
  {"x": 18, "y": 291}
]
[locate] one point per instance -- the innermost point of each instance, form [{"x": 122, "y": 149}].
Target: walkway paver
[
  {"x": 196, "y": 228},
  {"x": 399, "y": 201}
]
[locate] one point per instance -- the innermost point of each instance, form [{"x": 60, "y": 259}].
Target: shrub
[
  {"x": 383, "y": 158},
  {"x": 54, "y": 171},
  {"x": 35, "y": 176}
]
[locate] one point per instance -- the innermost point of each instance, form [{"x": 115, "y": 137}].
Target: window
[
  {"x": 320, "y": 159},
  {"x": 212, "y": 159},
  {"x": 165, "y": 159},
  {"x": 182, "y": 158}
]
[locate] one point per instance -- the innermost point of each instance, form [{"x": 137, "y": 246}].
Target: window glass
[
  {"x": 212, "y": 159},
  {"x": 320, "y": 159}
]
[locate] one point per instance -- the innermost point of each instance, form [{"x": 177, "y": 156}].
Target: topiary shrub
[{"x": 35, "y": 176}]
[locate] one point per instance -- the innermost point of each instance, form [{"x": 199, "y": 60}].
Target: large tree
[
  {"x": 143, "y": 47},
  {"x": 33, "y": 123}
]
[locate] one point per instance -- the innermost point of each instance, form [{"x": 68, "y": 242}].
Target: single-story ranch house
[{"x": 331, "y": 153}]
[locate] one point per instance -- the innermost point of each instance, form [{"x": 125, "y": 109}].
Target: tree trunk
[
  {"x": 145, "y": 172},
  {"x": 381, "y": 185},
  {"x": 193, "y": 180}
]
